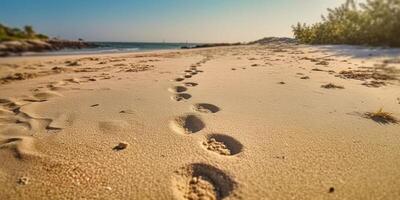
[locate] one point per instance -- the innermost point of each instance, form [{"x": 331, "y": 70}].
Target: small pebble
[
  {"x": 121, "y": 146},
  {"x": 194, "y": 180}
]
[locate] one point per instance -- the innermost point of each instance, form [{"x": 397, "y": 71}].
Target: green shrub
[
  {"x": 7, "y": 33},
  {"x": 376, "y": 22}
]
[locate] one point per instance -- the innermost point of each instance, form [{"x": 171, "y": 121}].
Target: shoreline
[
  {"x": 368, "y": 50},
  {"x": 100, "y": 54},
  {"x": 56, "y": 54},
  {"x": 66, "y": 47}
]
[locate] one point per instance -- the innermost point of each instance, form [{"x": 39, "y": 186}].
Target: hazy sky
[{"x": 158, "y": 20}]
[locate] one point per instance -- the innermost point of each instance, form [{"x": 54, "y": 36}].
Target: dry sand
[{"x": 248, "y": 122}]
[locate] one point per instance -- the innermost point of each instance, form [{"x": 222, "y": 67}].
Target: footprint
[
  {"x": 179, "y": 79},
  {"x": 223, "y": 144},
  {"x": 202, "y": 181},
  {"x": 206, "y": 108},
  {"x": 190, "y": 84},
  {"x": 188, "y": 76},
  {"x": 72, "y": 80},
  {"x": 128, "y": 111},
  {"x": 57, "y": 86},
  {"x": 181, "y": 96},
  {"x": 187, "y": 124},
  {"x": 188, "y": 71},
  {"x": 177, "y": 89},
  {"x": 112, "y": 126}
]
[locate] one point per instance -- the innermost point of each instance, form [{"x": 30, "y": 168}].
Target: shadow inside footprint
[
  {"x": 187, "y": 124},
  {"x": 206, "y": 108},
  {"x": 190, "y": 84},
  {"x": 177, "y": 89},
  {"x": 179, "y": 79},
  {"x": 199, "y": 180},
  {"x": 223, "y": 144},
  {"x": 181, "y": 96}
]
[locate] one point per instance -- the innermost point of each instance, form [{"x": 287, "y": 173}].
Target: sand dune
[{"x": 245, "y": 122}]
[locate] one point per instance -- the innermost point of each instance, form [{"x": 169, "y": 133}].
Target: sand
[{"x": 246, "y": 122}]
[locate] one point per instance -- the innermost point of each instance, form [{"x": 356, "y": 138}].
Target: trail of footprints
[{"x": 201, "y": 180}]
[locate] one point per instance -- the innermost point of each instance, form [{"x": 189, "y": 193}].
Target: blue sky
[{"x": 158, "y": 20}]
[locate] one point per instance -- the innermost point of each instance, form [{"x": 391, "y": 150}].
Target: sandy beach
[{"x": 244, "y": 122}]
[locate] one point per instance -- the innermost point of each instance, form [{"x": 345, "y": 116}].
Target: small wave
[{"x": 114, "y": 50}]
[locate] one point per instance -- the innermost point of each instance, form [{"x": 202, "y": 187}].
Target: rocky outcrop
[
  {"x": 18, "y": 47},
  {"x": 210, "y": 45},
  {"x": 61, "y": 44}
]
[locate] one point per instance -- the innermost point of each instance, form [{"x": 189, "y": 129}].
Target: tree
[
  {"x": 29, "y": 31},
  {"x": 8, "y": 33}
]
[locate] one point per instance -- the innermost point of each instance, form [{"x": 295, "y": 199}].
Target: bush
[
  {"x": 376, "y": 22},
  {"x": 7, "y": 33}
]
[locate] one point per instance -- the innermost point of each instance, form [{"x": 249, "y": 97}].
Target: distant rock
[
  {"x": 17, "y": 47},
  {"x": 211, "y": 45}
]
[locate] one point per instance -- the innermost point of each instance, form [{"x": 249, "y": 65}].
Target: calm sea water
[{"x": 118, "y": 47}]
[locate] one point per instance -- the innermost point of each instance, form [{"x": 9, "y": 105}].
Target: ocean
[{"x": 118, "y": 47}]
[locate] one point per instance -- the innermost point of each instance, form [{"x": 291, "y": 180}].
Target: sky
[{"x": 163, "y": 20}]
